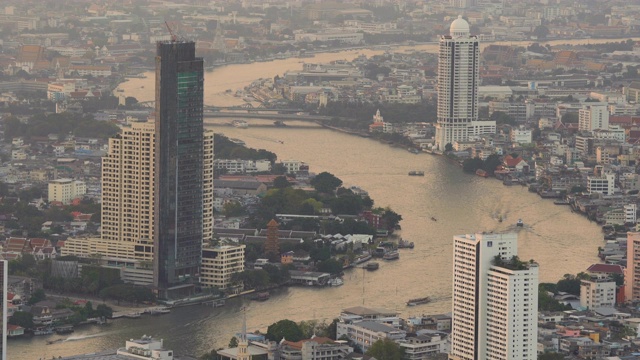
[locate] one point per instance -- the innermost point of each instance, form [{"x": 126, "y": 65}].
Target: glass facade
[{"x": 179, "y": 166}]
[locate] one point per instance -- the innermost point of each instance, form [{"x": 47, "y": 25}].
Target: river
[{"x": 561, "y": 242}]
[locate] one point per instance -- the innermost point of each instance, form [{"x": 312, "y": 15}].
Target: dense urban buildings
[
  {"x": 495, "y": 299},
  {"x": 458, "y": 74},
  {"x": 179, "y": 145},
  {"x": 4, "y": 273}
]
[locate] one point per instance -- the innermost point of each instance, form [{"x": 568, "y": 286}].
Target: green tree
[
  {"x": 105, "y": 311},
  {"x": 541, "y": 32},
  {"x": 491, "y": 163},
  {"x": 233, "y": 208},
  {"x": 281, "y": 182},
  {"x": 22, "y": 318},
  {"x": 212, "y": 355},
  {"x": 502, "y": 118},
  {"x": 36, "y": 297},
  {"x": 569, "y": 284},
  {"x": 330, "y": 266},
  {"x": 326, "y": 182},
  {"x": 551, "y": 356},
  {"x": 472, "y": 165},
  {"x": 448, "y": 147},
  {"x": 233, "y": 343},
  {"x": 386, "y": 349},
  {"x": 391, "y": 219},
  {"x": 286, "y": 329}
]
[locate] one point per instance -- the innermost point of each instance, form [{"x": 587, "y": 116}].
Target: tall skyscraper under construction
[{"x": 179, "y": 168}]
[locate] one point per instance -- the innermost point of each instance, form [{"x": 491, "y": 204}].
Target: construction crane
[{"x": 174, "y": 38}]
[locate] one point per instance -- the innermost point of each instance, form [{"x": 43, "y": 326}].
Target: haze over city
[{"x": 319, "y": 180}]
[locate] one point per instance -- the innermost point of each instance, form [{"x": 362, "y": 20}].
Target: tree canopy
[
  {"x": 386, "y": 349},
  {"x": 286, "y": 329},
  {"x": 326, "y": 182}
]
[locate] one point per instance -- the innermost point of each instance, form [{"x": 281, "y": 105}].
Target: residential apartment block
[
  {"x": 597, "y": 292},
  {"x": 495, "y": 299},
  {"x": 66, "y": 190}
]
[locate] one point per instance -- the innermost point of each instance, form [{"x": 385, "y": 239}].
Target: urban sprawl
[{"x": 139, "y": 207}]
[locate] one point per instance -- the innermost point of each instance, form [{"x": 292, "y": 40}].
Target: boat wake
[{"x": 83, "y": 337}]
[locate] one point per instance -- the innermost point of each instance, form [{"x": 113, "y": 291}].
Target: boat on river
[
  {"x": 405, "y": 244},
  {"x": 263, "y": 296},
  {"x": 43, "y": 331},
  {"x": 240, "y": 124},
  {"x": 391, "y": 255},
  {"x": 335, "y": 282},
  {"x": 362, "y": 258},
  {"x": 520, "y": 223},
  {"x": 416, "y": 173},
  {"x": 372, "y": 266},
  {"x": 419, "y": 301}
]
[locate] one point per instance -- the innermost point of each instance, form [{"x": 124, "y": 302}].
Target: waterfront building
[
  {"x": 599, "y": 291},
  {"x": 602, "y": 184},
  {"x": 365, "y": 333},
  {"x": 316, "y": 348},
  {"x": 632, "y": 272},
  {"x": 593, "y": 117},
  {"x": 128, "y": 199},
  {"x": 145, "y": 348},
  {"x": 4, "y": 278},
  {"x": 178, "y": 227},
  {"x": 458, "y": 72},
  {"x": 425, "y": 345},
  {"x": 66, "y": 190},
  {"x": 219, "y": 263},
  {"x": 495, "y": 299}
]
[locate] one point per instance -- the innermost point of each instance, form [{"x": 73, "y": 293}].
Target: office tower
[
  {"x": 495, "y": 299},
  {"x": 4, "y": 273},
  {"x": 178, "y": 232},
  {"x": 458, "y": 71},
  {"x": 593, "y": 117}
]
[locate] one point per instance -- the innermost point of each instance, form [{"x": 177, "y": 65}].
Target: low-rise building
[
  {"x": 597, "y": 292},
  {"x": 66, "y": 190},
  {"x": 365, "y": 333},
  {"x": 219, "y": 263}
]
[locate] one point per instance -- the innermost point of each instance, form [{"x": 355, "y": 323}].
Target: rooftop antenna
[{"x": 174, "y": 38}]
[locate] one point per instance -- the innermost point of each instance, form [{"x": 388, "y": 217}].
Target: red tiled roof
[
  {"x": 606, "y": 268},
  {"x": 511, "y": 162},
  {"x": 13, "y": 327},
  {"x": 317, "y": 339}
]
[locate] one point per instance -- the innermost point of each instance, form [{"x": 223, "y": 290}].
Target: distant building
[
  {"x": 597, "y": 292},
  {"x": 219, "y": 263},
  {"x": 494, "y": 305},
  {"x": 593, "y": 117},
  {"x": 458, "y": 74},
  {"x": 602, "y": 184},
  {"x": 66, "y": 190},
  {"x": 145, "y": 348},
  {"x": 4, "y": 273},
  {"x": 632, "y": 273}
]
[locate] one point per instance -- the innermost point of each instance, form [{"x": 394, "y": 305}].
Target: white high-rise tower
[
  {"x": 495, "y": 300},
  {"x": 458, "y": 72}
]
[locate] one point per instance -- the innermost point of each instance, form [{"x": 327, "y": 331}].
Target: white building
[
  {"x": 479, "y": 128},
  {"x": 615, "y": 132},
  {"x": 365, "y": 333},
  {"x": 425, "y": 346},
  {"x": 238, "y": 166},
  {"x": 145, "y": 348},
  {"x": 348, "y": 37},
  {"x": 219, "y": 263},
  {"x": 593, "y": 116},
  {"x": 630, "y": 211},
  {"x": 66, "y": 190},
  {"x": 458, "y": 69},
  {"x": 495, "y": 304},
  {"x": 521, "y": 136},
  {"x": 293, "y": 166},
  {"x": 604, "y": 184},
  {"x": 597, "y": 292}
]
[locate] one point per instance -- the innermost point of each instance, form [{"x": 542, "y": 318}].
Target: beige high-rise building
[
  {"x": 127, "y": 189},
  {"x": 219, "y": 263},
  {"x": 128, "y": 197}
]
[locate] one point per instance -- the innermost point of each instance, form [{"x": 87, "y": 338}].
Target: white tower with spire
[
  {"x": 458, "y": 74},
  {"x": 243, "y": 343}
]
